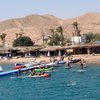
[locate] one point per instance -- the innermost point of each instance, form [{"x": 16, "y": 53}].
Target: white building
[{"x": 78, "y": 40}]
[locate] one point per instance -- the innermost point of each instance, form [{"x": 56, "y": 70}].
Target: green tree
[
  {"x": 60, "y": 30},
  {"x": 55, "y": 39},
  {"x": 76, "y": 27},
  {"x": 97, "y": 37},
  {"x": 23, "y": 41},
  {"x": 90, "y": 37}
]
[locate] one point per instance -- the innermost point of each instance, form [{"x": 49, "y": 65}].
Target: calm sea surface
[{"x": 64, "y": 84}]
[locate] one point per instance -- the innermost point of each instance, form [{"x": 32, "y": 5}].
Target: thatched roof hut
[
  {"x": 53, "y": 48},
  {"x": 25, "y": 49},
  {"x": 4, "y": 50}
]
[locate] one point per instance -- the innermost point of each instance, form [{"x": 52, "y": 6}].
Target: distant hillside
[
  {"x": 35, "y": 25},
  {"x": 89, "y": 22}
]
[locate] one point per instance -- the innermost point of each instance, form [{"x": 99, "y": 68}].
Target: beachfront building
[
  {"x": 88, "y": 48},
  {"x": 78, "y": 40}
]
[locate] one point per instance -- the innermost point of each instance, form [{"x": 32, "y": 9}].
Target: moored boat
[
  {"x": 33, "y": 63},
  {"x": 61, "y": 62},
  {"x": 75, "y": 60},
  {"x": 48, "y": 64},
  {"x": 18, "y": 66}
]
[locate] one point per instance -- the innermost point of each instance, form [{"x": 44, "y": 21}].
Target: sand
[{"x": 90, "y": 59}]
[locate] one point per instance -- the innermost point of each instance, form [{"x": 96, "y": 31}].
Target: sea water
[{"x": 64, "y": 84}]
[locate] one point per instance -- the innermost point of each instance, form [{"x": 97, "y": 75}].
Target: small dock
[{"x": 12, "y": 72}]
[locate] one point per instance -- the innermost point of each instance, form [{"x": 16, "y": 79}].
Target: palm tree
[
  {"x": 90, "y": 37},
  {"x": 60, "y": 30},
  {"x": 54, "y": 39},
  {"x": 52, "y": 31},
  {"x": 76, "y": 27},
  {"x": 2, "y": 36}
]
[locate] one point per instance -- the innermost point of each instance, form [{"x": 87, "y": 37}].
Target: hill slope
[{"x": 37, "y": 25}]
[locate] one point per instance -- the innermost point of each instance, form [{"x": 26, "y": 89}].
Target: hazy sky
[{"x": 61, "y": 8}]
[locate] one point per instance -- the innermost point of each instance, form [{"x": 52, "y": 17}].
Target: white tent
[
  {"x": 48, "y": 54},
  {"x": 59, "y": 53}
]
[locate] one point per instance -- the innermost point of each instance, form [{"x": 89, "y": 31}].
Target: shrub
[{"x": 23, "y": 41}]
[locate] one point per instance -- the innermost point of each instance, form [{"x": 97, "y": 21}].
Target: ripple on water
[{"x": 62, "y": 85}]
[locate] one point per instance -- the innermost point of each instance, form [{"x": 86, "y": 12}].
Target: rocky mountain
[
  {"x": 35, "y": 26},
  {"x": 89, "y": 22}
]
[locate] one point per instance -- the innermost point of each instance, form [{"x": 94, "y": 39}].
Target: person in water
[
  {"x": 43, "y": 72},
  {"x": 19, "y": 72},
  {"x": 84, "y": 63},
  {"x": 81, "y": 64},
  {"x": 68, "y": 63},
  {"x": 52, "y": 68},
  {"x": 33, "y": 72}
]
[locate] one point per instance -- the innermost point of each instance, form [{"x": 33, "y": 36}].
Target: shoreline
[{"x": 90, "y": 59}]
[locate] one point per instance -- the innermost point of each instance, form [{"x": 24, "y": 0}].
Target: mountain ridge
[{"x": 35, "y": 26}]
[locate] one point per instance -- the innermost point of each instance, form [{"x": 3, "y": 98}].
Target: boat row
[
  {"x": 39, "y": 71},
  {"x": 30, "y": 64},
  {"x": 37, "y": 66}
]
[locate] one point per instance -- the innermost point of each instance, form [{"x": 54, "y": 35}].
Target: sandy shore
[{"x": 89, "y": 59}]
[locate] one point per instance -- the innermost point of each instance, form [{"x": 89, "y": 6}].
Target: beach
[{"x": 90, "y": 59}]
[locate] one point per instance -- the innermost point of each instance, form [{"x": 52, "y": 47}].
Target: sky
[{"x": 64, "y": 9}]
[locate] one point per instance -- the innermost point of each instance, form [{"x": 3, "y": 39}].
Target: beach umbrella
[
  {"x": 59, "y": 53},
  {"x": 48, "y": 54}
]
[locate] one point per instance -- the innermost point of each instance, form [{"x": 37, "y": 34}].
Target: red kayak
[{"x": 46, "y": 75}]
